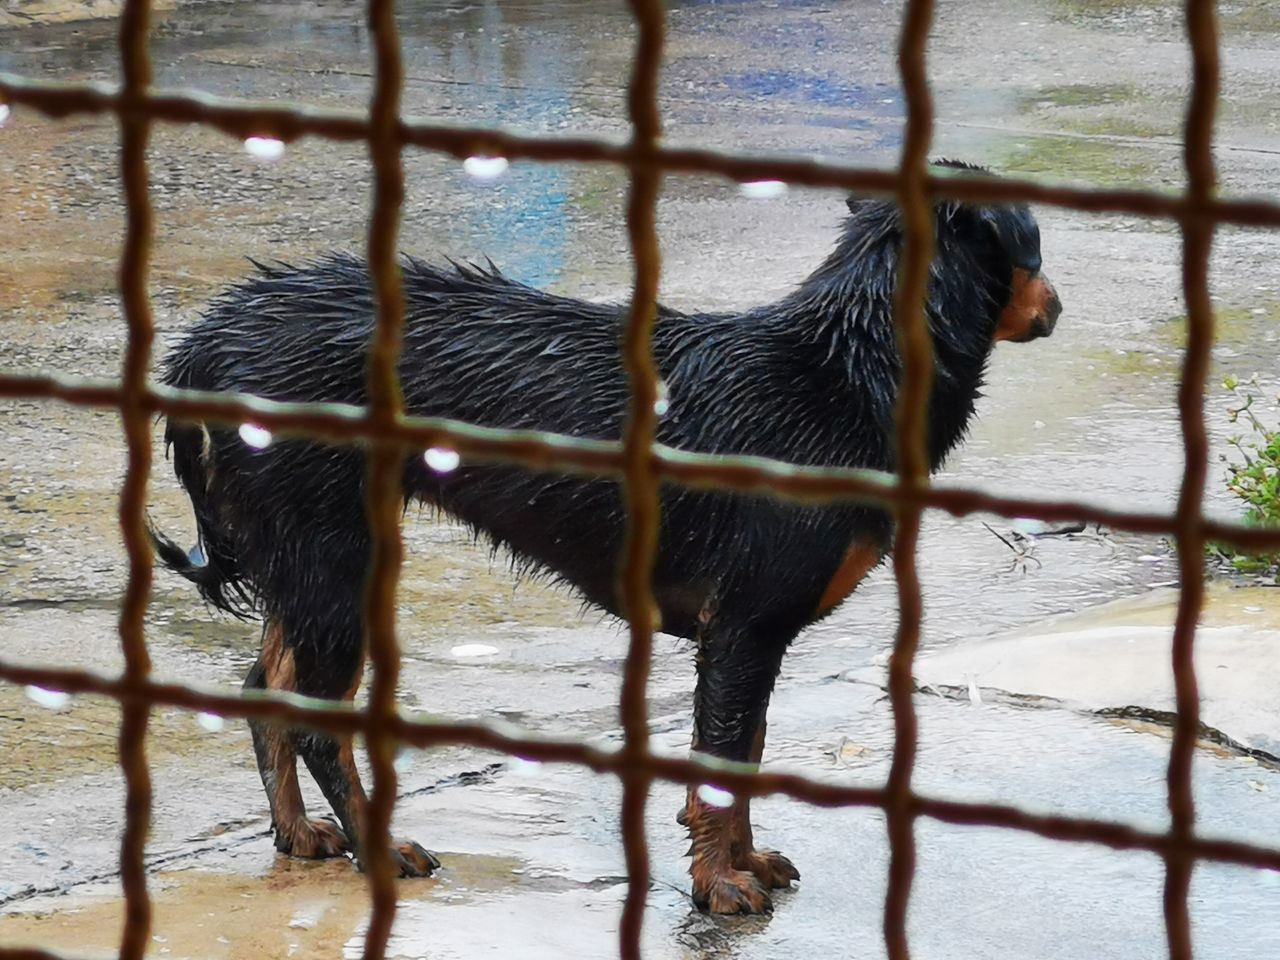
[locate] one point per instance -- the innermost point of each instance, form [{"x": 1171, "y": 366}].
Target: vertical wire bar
[
  {"x": 135, "y": 130},
  {"x": 1197, "y": 241},
  {"x": 385, "y": 466},
  {"x": 913, "y": 463},
  {"x": 641, "y": 480}
]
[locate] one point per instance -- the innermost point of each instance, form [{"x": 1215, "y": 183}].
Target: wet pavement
[{"x": 1082, "y": 93}]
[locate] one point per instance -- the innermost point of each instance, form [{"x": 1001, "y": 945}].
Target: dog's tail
[{"x": 212, "y": 566}]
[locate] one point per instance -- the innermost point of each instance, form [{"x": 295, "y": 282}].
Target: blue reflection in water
[
  {"x": 524, "y": 86},
  {"x": 829, "y": 90},
  {"x": 822, "y": 39}
]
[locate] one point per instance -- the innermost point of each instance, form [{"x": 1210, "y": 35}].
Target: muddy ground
[{"x": 1057, "y": 640}]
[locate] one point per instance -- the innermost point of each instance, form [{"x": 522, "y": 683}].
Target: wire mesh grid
[{"x": 638, "y": 461}]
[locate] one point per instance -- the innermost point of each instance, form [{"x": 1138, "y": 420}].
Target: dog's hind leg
[
  {"x": 295, "y": 834},
  {"x": 328, "y": 648},
  {"x": 331, "y": 760},
  {"x": 736, "y": 671}
]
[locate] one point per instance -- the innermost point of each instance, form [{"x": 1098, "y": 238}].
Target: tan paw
[
  {"x": 772, "y": 869},
  {"x": 413, "y": 860},
  {"x": 734, "y": 892},
  {"x": 312, "y": 840}
]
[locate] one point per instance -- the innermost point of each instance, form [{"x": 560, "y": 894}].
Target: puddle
[
  {"x": 532, "y": 863},
  {"x": 293, "y": 909}
]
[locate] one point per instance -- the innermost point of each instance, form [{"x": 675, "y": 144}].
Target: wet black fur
[{"x": 810, "y": 379}]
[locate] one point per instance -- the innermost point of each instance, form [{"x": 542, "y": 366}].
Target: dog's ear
[
  {"x": 1017, "y": 233},
  {"x": 854, "y": 201}
]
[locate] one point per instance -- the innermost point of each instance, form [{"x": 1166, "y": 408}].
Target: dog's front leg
[
  {"x": 771, "y": 868},
  {"x": 736, "y": 672}
]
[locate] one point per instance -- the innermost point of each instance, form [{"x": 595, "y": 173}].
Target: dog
[{"x": 811, "y": 379}]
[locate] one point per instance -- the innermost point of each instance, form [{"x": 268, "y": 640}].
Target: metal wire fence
[{"x": 637, "y": 460}]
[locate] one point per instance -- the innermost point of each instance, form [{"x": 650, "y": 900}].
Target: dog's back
[{"x": 482, "y": 348}]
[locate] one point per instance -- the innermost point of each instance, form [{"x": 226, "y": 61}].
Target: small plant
[{"x": 1254, "y": 480}]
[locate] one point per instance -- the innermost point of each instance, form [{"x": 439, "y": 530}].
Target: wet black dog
[{"x": 811, "y": 379}]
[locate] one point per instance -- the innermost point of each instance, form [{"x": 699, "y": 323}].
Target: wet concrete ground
[{"x": 1086, "y": 93}]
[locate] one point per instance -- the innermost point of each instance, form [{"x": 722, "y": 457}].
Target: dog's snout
[
  {"x": 1052, "y": 306},
  {"x": 1032, "y": 310}
]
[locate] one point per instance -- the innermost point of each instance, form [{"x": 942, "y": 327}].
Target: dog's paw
[
  {"x": 772, "y": 869},
  {"x": 734, "y": 892},
  {"x": 414, "y": 860},
  {"x": 312, "y": 840}
]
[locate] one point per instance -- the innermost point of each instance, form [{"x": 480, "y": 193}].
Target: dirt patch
[
  {"x": 53, "y": 745},
  {"x": 29, "y": 13}
]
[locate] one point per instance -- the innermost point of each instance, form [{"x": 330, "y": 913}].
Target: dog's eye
[
  {"x": 1030, "y": 262},
  {"x": 1024, "y": 242},
  {"x": 1018, "y": 235}
]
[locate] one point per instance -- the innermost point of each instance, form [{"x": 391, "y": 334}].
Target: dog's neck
[{"x": 845, "y": 309}]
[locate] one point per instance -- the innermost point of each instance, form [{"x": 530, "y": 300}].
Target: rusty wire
[
  {"x": 292, "y": 710},
  {"x": 1197, "y": 234},
  {"x": 912, "y": 463},
  {"x": 135, "y": 131},
  {"x": 386, "y": 404},
  {"x": 241, "y": 118},
  {"x": 641, "y": 463},
  {"x": 343, "y": 423},
  {"x": 640, "y": 483}
]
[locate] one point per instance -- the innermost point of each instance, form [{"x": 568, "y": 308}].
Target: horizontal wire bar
[
  {"x": 693, "y": 770},
  {"x": 242, "y": 118},
  {"x": 346, "y": 423}
]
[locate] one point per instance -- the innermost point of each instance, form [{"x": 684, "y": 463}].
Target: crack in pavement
[{"x": 1152, "y": 715}]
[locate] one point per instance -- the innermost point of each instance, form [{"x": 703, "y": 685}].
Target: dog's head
[
  {"x": 1032, "y": 307},
  {"x": 987, "y": 273},
  {"x": 1001, "y": 241}
]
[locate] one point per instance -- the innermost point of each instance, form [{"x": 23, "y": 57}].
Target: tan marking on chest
[{"x": 859, "y": 560}]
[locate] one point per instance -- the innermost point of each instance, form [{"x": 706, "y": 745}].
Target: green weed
[{"x": 1253, "y": 478}]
